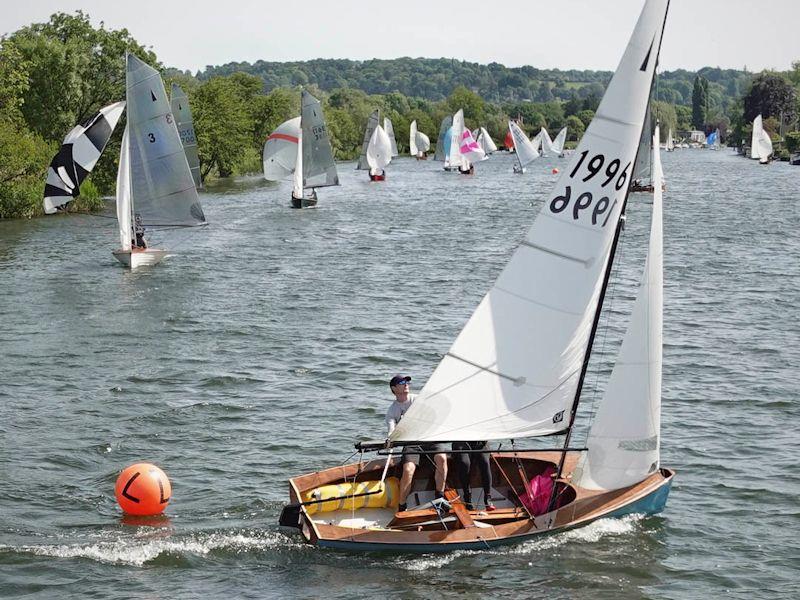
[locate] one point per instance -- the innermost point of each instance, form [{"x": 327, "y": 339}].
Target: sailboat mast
[{"x": 606, "y": 277}]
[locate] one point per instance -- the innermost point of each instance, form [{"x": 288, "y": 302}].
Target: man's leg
[{"x": 440, "y": 460}]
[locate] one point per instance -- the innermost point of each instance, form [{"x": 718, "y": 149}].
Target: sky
[{"x": 564, "y": 34}]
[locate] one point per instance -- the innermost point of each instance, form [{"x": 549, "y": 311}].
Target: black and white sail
[
  {"x": 642, "y": 169},
  {"x": 77, "y": 156},
  {"x": 374, "y": 121},
  {"x": 319, "y": 168},
  {"x": 183, "y": 120}
]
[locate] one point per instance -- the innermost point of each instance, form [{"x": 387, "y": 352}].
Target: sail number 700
[{"x": 585, "y": 200}]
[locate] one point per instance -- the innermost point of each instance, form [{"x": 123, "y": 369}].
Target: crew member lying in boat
[{"x": 400, "y": 386}]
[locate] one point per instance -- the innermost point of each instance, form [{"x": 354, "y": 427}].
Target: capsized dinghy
[{"x": 494, "y": 384}]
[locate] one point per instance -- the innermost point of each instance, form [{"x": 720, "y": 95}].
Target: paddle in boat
[
  {"x": 418, "y": 142},
  {"x": 524, "y": 148},
  {"x": 301, "y": 147},
  {"x": 155, "y": 188},
  {"x": 518, "y": 367},
  {"x": 77, "y": 156},
  {"x": 379, "y": 154}
]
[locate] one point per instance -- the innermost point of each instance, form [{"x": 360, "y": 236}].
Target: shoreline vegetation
[{"x": 55, "y": 75}]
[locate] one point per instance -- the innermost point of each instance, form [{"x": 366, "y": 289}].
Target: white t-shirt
[{"x": 396, "y": 412}]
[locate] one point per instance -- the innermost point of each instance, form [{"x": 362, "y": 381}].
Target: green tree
[
  {"x": 664, "y": 114},
  {"x": 575, "y": 128},
  {"x": 472, "y": 103},
  {"x": 586, "y": 117},
  {"x": 223, "y": 126},
  {"x": 699, "y": 102},
  {"x": 770, "y": 95}
]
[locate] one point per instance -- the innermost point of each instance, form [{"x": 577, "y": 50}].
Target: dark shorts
[{"x": 411, "y": 453}]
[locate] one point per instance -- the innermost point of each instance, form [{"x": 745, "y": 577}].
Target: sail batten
[{"x": 512, "y": 329}]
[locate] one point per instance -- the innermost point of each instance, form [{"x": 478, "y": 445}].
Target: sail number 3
[{"x": 585, "y": 201}]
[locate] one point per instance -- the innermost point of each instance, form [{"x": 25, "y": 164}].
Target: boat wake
[{"x": 143, "y": 549}]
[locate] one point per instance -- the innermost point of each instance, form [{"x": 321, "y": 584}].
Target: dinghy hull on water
[
  {"x": 379, "y": 177},
  {"x": 420, "y": 529},
  {"x": 304, "y": 202},
  {"x": 134, "y": 259}
]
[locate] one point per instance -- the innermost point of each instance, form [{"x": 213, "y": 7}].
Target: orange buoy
[
  {"x": 143, "y": 489},
  {"x": 555, "y": 171}
]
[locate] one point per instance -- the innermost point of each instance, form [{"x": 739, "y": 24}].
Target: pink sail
[{"x": 469, "y": 148}]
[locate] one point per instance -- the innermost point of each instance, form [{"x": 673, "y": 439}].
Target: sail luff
[
  {"x": 297, "y": 176},
  {"x": 124, "y": 205},
  {"x": 412, "y": 139}
]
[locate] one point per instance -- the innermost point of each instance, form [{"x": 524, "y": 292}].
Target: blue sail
[
  {"x": 711, "y": 139},
  {"x": 448, "y": 135}
]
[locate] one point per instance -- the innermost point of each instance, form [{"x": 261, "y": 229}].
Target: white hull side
[{"x": 140, "y": 258}]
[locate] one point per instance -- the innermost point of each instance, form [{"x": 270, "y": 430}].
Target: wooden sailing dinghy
[
  {"x": 155, "y": 187},
  {"x": 517, "y": 370}
]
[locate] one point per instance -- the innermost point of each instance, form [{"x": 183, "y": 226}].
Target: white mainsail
[
  {"x": 761, "y": 147},
  {"x": 514, "y": 369},
  {"x": 183, "y": 120},
  {"x": 389, "y": 129},
  {"x": 453, "y": 154},
  {"x": 670, "y": 141},
  {"x": 379, "y": 150},
  {"x": 423, "y": 143},
  {"x": 124, "y": 207},
  {"x": 547, "y": 143},
  {"x": 412, "y": 139},
  {"x": 557, "y": 145},
  {"x": 623, "y": 444},
  {"x": 372, "y": 123},
  {"x": 485, "y": 141},
  {"x": 755, "y": 138},
  {"x": 280, "y": 150},
  {"x": 526, "y": 152},
  {"x": 162, "y": 189}
]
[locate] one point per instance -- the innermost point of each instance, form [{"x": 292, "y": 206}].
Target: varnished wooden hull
[{"x": 579, "y": 507}]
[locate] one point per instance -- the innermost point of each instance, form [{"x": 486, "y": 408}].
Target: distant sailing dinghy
[
  {"x": 761, "y": 143},
  {"x": 155, "y": 189},
  {"x": 495, "y": 384},
  {"x": 555, "y": 146},
  {"x": 470, "y": 151},
  {"x": 453, "y": 160},
  {"x": 418, "y": 143},
  {"x": 712, "y": 141},
  {"x": 301, "y": 147},
  {"x": 379, "y": 154},
  {"x": 485, "y": 141},
  {"x": 183, "y": 120},
  {"x": 77, "y": 156},
  {"x": 525, "y": 150},
  {"x": 670, "y": 147},
  {"x": 546, "y": 142}
]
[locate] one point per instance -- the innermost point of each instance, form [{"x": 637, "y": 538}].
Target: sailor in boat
[
  {"x": 377, "y": 175},
  {"x": 138, "y": 234},
  {"x": 474, "y": 452},
  {"x": 470, "y": 171},
  {"x": 400, "y": 386}
]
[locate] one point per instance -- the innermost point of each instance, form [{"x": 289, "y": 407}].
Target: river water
[{"x": 262, "y": 348}]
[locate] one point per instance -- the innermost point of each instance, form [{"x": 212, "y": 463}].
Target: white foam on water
[
  {"x": 430, "y": 562},
  {"x": 138, "y": 550},
  {"x": 591, "y": 533}
]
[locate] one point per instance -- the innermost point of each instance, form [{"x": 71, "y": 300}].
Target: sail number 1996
[{"x": 585, "y": 201}]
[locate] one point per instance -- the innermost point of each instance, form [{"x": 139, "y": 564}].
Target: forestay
[
  {"x": 183, "y": 120},
  {"x": 623, "y": 444},
  {"x": 162, "y": 188},
  {"x": 372, "y": 123},
  {"x": 280, "y": 150},
  {"x": 389, "y": 129},
  {"x": 525, "y": 150},
  {"x": 514, "y": 369},
  {"x": 441, "y": 147},
  {"x": 319, "y": 168},
  {"x": 77, "y": 156},
  {"x": 379, "y": 150}
]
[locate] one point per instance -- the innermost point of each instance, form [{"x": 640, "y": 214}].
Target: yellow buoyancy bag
[{"x": 345, "y": 496}]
